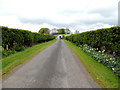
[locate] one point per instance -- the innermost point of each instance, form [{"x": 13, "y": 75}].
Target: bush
[
  {"x": 104, "y": 41},
  {"x": 17, "y": 39},
  {"x": 107, "y": 39},
  {"x": 7, "y": 53}
]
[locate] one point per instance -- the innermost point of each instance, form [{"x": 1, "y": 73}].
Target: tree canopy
[
  {"x": 61, "y": 31},
  {"x": 44, "y": 31}
]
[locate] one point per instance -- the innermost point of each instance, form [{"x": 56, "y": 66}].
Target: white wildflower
[
  {"x": 98, "y": 60},
  {"x": 110, "y": 58},
  {"x": 103, "y": 51},
  {"x": 106, "y": 59},
  {"x": 113, "y": 69}
]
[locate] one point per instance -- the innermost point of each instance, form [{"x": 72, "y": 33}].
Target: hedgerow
[
  {"x": 107, "y": 39},
  {"x": 17, "y": 39},
  {"x": 103, "y": 45}
]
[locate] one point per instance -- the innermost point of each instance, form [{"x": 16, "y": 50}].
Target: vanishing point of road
[{"x": 55, "y": 67}]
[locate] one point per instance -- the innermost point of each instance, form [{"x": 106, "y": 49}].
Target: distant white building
[
  {"x": 76, "y": 32},
  {"x": 67, "y": 35},
  {"x": 67, "y": 31},
  {"x": 54, "y": 30}
]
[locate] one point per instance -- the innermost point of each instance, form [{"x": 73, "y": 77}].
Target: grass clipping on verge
[
  {"x": 9, "y": 63},
  {"x": 100, "y": 73}
]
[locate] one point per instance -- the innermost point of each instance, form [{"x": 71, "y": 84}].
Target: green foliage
[
  {"x": 100, "y": 73},
  {"x": 17, "y": 39},
  {"x": 44, "y": 31},
  {"x": 107, "y": 39},
  {"x": 61, "y": 31},
  {"x": 7, "y": 53},
  {"x": 109, "y": 61}
]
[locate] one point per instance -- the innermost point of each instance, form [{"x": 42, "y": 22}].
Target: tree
[
  {"x": 44, "y": 31},
  {"x": 61, "y": 31}
]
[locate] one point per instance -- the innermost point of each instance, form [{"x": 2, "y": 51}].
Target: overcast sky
[{"x": 79, "y": 15}]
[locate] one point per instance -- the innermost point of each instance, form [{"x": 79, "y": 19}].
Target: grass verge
[
  {"x": 60, "y": 34},
  {"x": 9, "y": 63},
  {"x": 100, "y": 73}
]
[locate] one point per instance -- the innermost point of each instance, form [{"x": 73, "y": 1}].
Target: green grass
[
  {"x": 9, "y": 63},
  {"x": 55, "y": 35},
  {"x": 100, "y": 73},
  {"x": 60, "y": 34},
  {"x": 63, "y": 34}
]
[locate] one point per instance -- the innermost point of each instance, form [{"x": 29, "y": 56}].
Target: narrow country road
[{"x": 54, "y": 67}]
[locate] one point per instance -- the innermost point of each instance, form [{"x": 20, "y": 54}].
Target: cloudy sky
[{"x": 82, "y": 15}]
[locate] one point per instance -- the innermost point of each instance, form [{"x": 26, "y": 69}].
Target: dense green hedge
[
  {"x": 107, "y": 39},
  {"x": 17, "y": 39},
  {"x": 104, "y": 41}
]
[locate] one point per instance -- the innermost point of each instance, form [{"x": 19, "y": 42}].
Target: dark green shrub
[
  {"x": 17, "y": 39},
  {"x": 7, "y": 53},
  {"x": 108, "y": 39}
]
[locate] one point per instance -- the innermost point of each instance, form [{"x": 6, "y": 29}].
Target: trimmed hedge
[
  {"x": 107, "y": 39},
  {"x": 104, "y": 41},
  {"x": 16, "y": 39}
]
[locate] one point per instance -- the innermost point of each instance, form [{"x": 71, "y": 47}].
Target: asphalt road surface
[{"x": 55, "y": 67}]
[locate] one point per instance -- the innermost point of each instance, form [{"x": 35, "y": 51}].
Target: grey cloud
[
  {"x": 44, "y": 20},
  {"x": 106, "y": 12},
  {"x": 110, "y": 21},
  {"x": 119, "y": 13},
  {"x": 70, "y": 12}
]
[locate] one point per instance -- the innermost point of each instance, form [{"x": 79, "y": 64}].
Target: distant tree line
[{"x": 54, "y": 31}]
